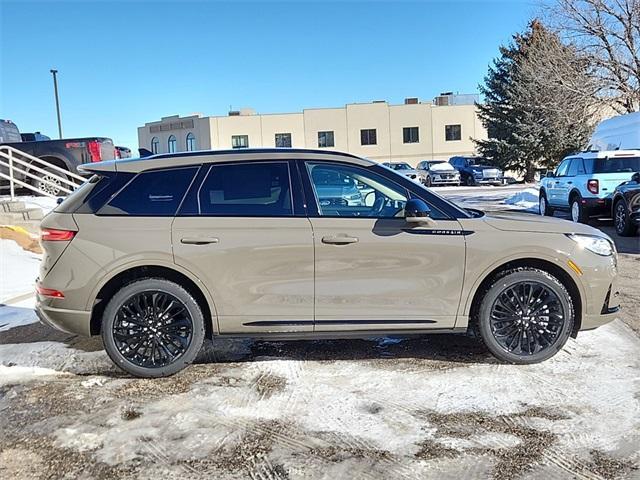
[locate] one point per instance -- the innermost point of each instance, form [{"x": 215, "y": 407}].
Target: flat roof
[{"x": 180, "y": 159}]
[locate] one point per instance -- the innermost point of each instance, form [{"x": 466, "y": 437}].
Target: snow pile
[
  {"x": 32, "y": 201},
  {"x": 524, "y": 200}
]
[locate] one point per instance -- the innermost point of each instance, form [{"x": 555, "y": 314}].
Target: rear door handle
[
  {"x": 569, "y": 183},
  {"x": 339, "y": 239},
  {"x": 199, "y": 240}
]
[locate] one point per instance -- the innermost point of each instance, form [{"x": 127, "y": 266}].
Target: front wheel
[
  {"x": 152, "y": 328},
  {"x": 469, "y": 181},
  {"x": 545, "y": 209},
  {"x": 622, "y": 220},
  {"x": 525, "y": 316},
  {"x": 428, "y": 181}
]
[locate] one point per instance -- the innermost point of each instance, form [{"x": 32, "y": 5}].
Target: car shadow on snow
[{"x": 435, "y": 348}]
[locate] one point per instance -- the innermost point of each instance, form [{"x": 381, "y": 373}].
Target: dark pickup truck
[{"x": 66, "y": 153}]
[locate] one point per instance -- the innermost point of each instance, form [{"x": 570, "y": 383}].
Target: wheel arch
[
  {"x": 124, "y": 276},
  {"x": 566, "y": 278},
  {"x": 56, "y": 160},
  {"x": 574, "y": 193}
]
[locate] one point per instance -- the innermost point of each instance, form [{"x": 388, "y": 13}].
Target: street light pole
[{"x": 55, "y": 89}]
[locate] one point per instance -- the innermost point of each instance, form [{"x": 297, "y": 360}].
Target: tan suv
[{"x": 157, "y": 254}]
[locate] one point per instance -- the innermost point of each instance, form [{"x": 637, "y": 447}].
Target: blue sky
[{"x": 122, "y": 64}]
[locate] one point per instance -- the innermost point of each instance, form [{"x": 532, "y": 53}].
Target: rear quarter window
[{"x": 153, "y": 193}]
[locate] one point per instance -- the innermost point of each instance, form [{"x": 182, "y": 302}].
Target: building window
[
  {"x": 410, "y": 135},
  {"x": 191, "y": 142},
  {"x": 171, "y": 144},
  {"x": 155, "y": 145},
  {"x": 368, "y": 136},
  {"x": 283, "y": 140},
  {"x": 452, "y": 132},
  {"x": 240, "y": 141},
  {"x": 325, "y": 139}
]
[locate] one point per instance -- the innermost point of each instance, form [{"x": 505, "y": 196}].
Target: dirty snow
[
  {"x": 32, "y": 201},
  {"x": 414, "y": 408}
]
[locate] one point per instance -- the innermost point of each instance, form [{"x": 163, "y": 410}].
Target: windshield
[
  {"x": 431, "y": 164},
  {"x": 613, "y": 165},
  {"x": 400, "y": 166}
]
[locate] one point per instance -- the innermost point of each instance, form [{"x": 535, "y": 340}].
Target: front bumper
[
  {"x": 445, "y": 181},
  {"x": 70, "y": 321}
]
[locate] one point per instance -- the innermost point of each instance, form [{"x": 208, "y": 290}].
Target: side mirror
[
  {"x": 635, "y": 177},
  {"x": 417, "y": 212},
  {"x": 551, "y": 174}
]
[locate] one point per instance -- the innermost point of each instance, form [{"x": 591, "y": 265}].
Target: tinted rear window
[
  {"x": 155, "y": 193},
  {"x": 78, "y": 196},
  {"x": 613, "y": 165},
  {"x": 248, "y": 189}
]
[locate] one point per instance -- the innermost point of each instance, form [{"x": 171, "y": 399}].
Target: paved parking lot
[{"x": 413, "y": 408}]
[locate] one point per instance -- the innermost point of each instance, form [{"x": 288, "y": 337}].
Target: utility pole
[{"x": 55, "y": 89}]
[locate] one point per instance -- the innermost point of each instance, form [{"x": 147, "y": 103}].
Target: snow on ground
[
  {"x": 18, "y": 270},
  {"x": 526, "y": 199},
  {"x": 33, "y": 201},
  {"x": 436, "y": 406}
]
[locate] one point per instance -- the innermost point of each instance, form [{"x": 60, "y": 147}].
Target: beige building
[{"x": 409, "y": 132}]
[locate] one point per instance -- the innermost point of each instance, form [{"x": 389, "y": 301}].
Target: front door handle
[
  {"x": 199, "y": 240},
  {"x": 339, "y": 239}
]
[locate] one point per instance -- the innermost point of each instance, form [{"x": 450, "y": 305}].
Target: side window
[
  {"x": 576, "y": 168},
  {"x": 347, "y": 191},
  {"x": 562, "y": 169},
  {"x": 149, "y": 194},
  {"x": 246, "y": 189}
]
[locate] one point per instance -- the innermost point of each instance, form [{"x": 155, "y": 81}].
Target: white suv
[{"x": 584, "y": 182}]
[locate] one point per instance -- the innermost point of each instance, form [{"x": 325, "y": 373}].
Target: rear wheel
[
  {"x": 152, "y": 328},
  {"x": 622, "y": 220},
  {"x": 545, "y": 209},
  {"x": 579, "y": 212},
  {"x": 49, "y": 183},
  {"x": 525, "y": 316}
]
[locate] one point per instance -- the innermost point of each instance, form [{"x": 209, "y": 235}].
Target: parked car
[
  {"x": 626, "y": 206},
  {"x": 438, "y": 172},
  {"x": 584, "y": 183},
  {"x": 475, "y": 171},
  {"x": 404, "y": 169},
  {"x": 156, "y": 254},
  {"x": 67, "y": 153},
  {"x": 123, "y": 152}
]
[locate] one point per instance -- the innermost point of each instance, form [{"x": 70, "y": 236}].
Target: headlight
[{"x": 597, "y": 245}]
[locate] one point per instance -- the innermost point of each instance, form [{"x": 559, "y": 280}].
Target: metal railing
[{"x": 14, "y": 161}]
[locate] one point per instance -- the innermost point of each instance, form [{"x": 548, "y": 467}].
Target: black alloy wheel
[
  {"x": 152, "y": 328},
  {"x": 525, "y": 316}
]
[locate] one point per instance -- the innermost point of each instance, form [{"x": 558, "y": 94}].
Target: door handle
[
  {"x": 199, "y": 240},
  {"x": 339, "y": 239},
  {"x": 569, "y": 183}
]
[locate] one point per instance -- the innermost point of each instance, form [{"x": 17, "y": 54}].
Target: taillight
[
  {"x": 55, "y": 235},
  {"x": 48, "y": 292},
  {"x": 593, "y": 186},
  {"x": 94, "y": 151}
]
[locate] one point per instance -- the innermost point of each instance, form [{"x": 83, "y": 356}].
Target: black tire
[
  {"x": 184, "y": 330},
  {"x": 577, "y": 211},
  {"x": 559, "y": 317},
  {"x": 428, "y": 181},
  {"x": 469, "y": 181},
  {"x": 543, "y": 205},
  {"x": 48, "y": 187},
  {"x": 622, "y": 220}
]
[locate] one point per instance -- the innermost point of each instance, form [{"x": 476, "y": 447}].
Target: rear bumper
[
  {"x": 70, "y": 321},
  {"x": 597, "y": 205}
]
